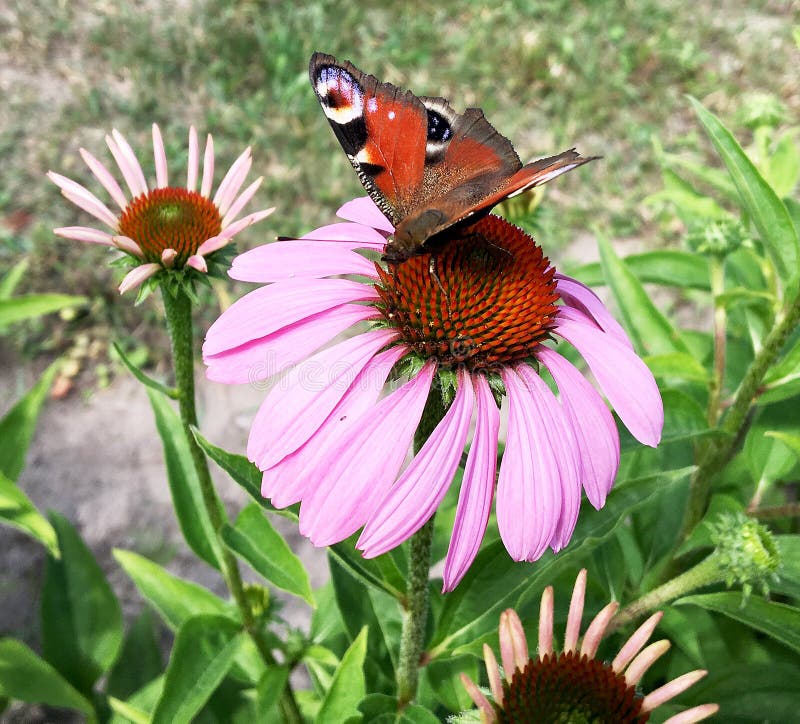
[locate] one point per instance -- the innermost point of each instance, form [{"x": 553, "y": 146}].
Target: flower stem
[
  {"x": 720, "y": 338},
  {"x": 412, "y": 638},
  {"x": 178, "y": 309}
]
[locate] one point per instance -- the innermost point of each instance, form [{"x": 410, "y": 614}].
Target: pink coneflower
[
  {"x": 572, "y": 685},
  {"x": 480, "y": 327},
  {"x": 162, "y": 227}
]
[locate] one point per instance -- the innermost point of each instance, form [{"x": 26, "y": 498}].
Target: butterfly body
[{"x": 431, "y": 171}]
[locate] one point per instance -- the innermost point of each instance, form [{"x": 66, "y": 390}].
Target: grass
[{"x": 604, "y": 76}]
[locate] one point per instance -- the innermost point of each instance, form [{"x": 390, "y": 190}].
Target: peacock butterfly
[{"x": 431, "y": 171}]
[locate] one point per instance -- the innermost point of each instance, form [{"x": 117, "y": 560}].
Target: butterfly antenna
[{"x": 435, "y": 275}]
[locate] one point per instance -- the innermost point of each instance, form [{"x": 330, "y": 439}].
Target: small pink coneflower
[
  {"x": 572, "y": 685},
  {"x": 162, "y": 227},
  {"x": 481, "y": 328}
]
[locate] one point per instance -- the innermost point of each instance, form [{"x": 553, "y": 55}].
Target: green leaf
[
  {"x": 145, "y": 379},
  {"x": 255, "y": 540},
  {"x": 81, "y": 617},
  {"x": 204, "y": 651},
  {"x": 184, "y": 484},
  {"x": 650, "y": 330},
  {"x": 789, "y": 572},
  {"x": 759, "y": 201},
  {"x": 128, "y": 712},
  {"x": 677, "y": 365},
  {"x": 140, "y": 659},
  {"x": 13, "y": 277},
  {"x": 381, "y": 573},
  {"x": 175, "y": 600},
  {"x": 143, "y": 701},
  {"x": 16, "y": 428},
  {"x": 444, "y": 678},
  {"x": 777, "y": 620},
  {"x": 667, "y": 266},
  {"x": 382, "y": 709},
  {"x": 17, "y": 510},
  {"x": 269, "y": 691},
  {"x": 16, "y": 309},
  {"x": 26, "y": 677},
  {"x": 782, "y": 169},
  {"x": 348, "y": 687}
]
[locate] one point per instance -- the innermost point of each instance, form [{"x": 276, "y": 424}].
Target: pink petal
[
  {"x": 270, "y": 308},
  {"x": 352, "y": 236},
  {"x": 298, "y": 258},
  {"x": 126, "y": 169},
  {"x": 477, "y": 488},
  {"x": 363, "y": 210},
  {"x": 160, "y": 157},
  {"x": 130, "y": 157},
  {"x": 262, "y": 358},
  {"x": 624, "y": 378},
  {"x": 103, "y": 175},
  {"x": 240, "y": 203},
  {"x": 233, "y": 181},
  {"x": 83, "y": 198},
  {"x": 578, "y": 295},
  {"x": 192, "y": 166},
  {"x": 356, "y": 473},
  {"x": 168, "y": 257},
  {"x": 564, "y": 444},
  {"x": 197, "y": 262},
  {"x": 243, "y": 223},
  {"x": 529, "y": 485},
  {"x": 208, "y": 168},
  {"x": 209, "y": 246},
  {"x": 416, "y": 495},
  {"x": 289, "y": 481},
  {"x": 135, "y": 277},
  {"x": 84, "y": 233},
  {"x": 592, "y": 423},
  {"x": 128, "y": 245},
  {"x": 296, "y": 407}
]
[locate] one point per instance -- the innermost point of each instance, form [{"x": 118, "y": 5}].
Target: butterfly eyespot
[{"x": 438, "y": 127}]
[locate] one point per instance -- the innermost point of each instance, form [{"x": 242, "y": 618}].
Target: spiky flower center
[
  {"x": 489, "y": 301},
  {"x": 170, "y": 218},
  {"x": 568, "y": 688}
]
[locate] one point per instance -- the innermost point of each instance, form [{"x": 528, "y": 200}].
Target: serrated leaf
[
  {"x": 763, "y": 206},
  {"x": 777, "y": 620},
  {"x": 145, "y": 379},
  {"x": 184, "y": 484},
  {"x": 668, "y": 267},
  {"x": 29, "y": 306},
  {"x": 26, "y": 677},
  {"x": 348, "y": 686},
  {"x": 17, "y": 510},
  {"x": 16, "y": 428},
  {"x": 204, "y": 650},
  {"x": 255, "y": 540},
  {"x": 81, "y": 617}
]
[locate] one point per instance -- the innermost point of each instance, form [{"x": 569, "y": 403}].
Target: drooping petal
[
  {"x": 624, "y": 378},
  {"x": 268, "y": 309},
  {"x": 477, "y": 488},
  {"x": 357, "y": 472},
  {"x": 208, "y": 168},
  {"x": 197, "y": 262},
  {"x": 233, "y": 181},
  {"x": 416, "y": 495},
  {"x": 529, "y": 485},
  {"x": 578, "y": 295},
  {"x": 592, "y": 423},
  {"x": 83, "y": 198},
  {"x": 270, "y": 355},
  {"x": 136, "y": 276},
  {"x": 130, "y": 157},
  {"x": 128, "y": 245},
  {"x": 85, "y": 233},
  {"x": 103, "y": 175},
  {"x": 240, "y": 202},
  {"x": 363, "y": 210},
  {"x": 194, "y": 159},
  {"x": 160, "y": 157},
  {"x": 298, "y": 258},
  {"x": 298, "y": 405},
  {"x": 289, "y": 481}
]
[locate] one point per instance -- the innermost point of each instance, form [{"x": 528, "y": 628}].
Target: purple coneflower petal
[
  {"x": 296, "y": 407},
  {"x": 416, "y": 495},
  {"x": 84, "y": 233},
  {"x": 268, "y": 309},
  {"x": 287, "y": 482},
  {"x": 477, "y": 488},
  {"x": 197, "y": 262},
  {"x": 232, "y": 181},
  {"x": 127, "y": 171},
  {"x": 128, "y": 245},
  {"x": 262, "y": 358},
  {"x": 363, "y": 210},
  {"x": 529, "y": 483},
  {"x": 168, "y": 257},
  {"x": 578, "y": 295},
  {"x": 160, "y": 158},
  {"x": 136, "y": 276},
  {"x": 103, "y": 175},
  {"x": 349, "y": 236},
  {"x": 130, "y": 158},
  {"x": 593, "y": 424},
  {"x": 243, "y": 223},
  {"x": 194, "y": 158},
  {"x": 240, "y": 202},
  {"x": 298, "y": 258},
  {"x": 624, "y": 378},
  {"x": 356, "y": 473},
  {"x": 208, "y": 168},
  {"x": 83, "y": 198}
]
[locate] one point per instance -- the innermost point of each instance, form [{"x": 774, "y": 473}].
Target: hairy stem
[{"x": 720, "y": 339}]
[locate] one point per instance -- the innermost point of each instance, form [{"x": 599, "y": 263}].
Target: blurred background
[{"x": 608, "y": 77}]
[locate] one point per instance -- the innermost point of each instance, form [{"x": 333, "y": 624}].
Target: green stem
[
  {"x": 720, "y": 338},
  {"x": 412, "y": 637},
  {"x": 718, "y": 452},
  {"x": 178, "y": 309}
]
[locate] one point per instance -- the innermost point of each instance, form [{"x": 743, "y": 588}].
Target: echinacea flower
[
  {"x": 572, "y": 685},
  {"x": 162, "y": 227},
  {"x": 480, "y": 324}
]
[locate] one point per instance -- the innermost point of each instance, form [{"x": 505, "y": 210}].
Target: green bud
[{"x": 717, "y": 238}]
